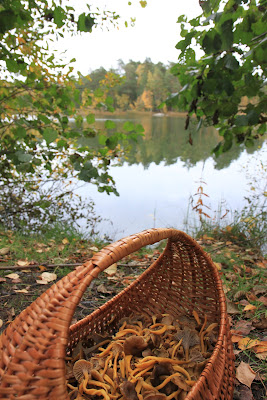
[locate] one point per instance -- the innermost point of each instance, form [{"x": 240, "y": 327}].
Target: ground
[{"x": 28, "y": 266}]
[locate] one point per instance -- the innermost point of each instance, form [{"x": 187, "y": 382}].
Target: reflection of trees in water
[{"x": 166, "y": 140}]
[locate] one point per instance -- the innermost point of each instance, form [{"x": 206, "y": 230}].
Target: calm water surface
[{"x": 161, "y": 173}]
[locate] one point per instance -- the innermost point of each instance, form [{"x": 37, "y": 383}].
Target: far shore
[{"x": 129, "y": 112}]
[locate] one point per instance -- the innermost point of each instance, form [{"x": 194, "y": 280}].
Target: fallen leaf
[
  {"x": 261, "y": 347},
  {"x": 23, "y": 263},
  {"x": 262, "y": 356},
  {"x": 42, "y": 268},
  {"x": 102, "y": 289},
  {"x": 65, "y": 241},
  {"x": 260, "y": 323},
  {"x": 247, "y": 343},
  {"x": 245, "y": 374},
  {"x": 228, "y": 228},
  {"x": 263, "y": 300},
  {"x": 12, "y": 276},
  {"x": 218, "y": 266},
  {"x": 4, "y": 251},
  {"x": 48, "y": 276},
  {"x": 250, "y": 307},
  {"x": 243, "y": 327},
  {"x": 41, "y": 282},
  {"x": 2, "y": 279},
  {"x": 232, "y": 308},
  {"x": 244, "y": 393},
  {"x": 21, "y": 291},
  {"x": 235, "y": 336},
  {"x": 1, "y": 323},
  {"x": 111, "y": 271},
  {"x": 93, "y": 248},
  {"x": 259, "y": 289}
]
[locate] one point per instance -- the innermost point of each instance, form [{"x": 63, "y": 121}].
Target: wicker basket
[{"x": 34, "y": 346}]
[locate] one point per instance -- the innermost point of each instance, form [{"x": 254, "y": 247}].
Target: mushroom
[
  {"x": 128, "y": 391},
  {"x": 152, "y": 395},
  {"x": 134, "y": 345},
  {"x": 190, "y": 339},
  {"x": 158, "y": 371},
  {"x": 82, "y": 371}
]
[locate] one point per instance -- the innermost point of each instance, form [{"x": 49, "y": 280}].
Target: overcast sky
[{"x": 154, "y": 35}]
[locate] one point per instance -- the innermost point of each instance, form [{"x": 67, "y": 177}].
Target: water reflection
[
  {"x": 166, "y": 141},
  {"x": 162, "y": 171}
]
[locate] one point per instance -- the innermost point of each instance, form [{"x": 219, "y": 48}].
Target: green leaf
[
  {"x": 12, "y": 65},
  {"x": 110, "y": 124},
  {"x": 20, "y": 132},
  {"x": 112, "y": 142},
  {"x": 59, "y": 16},
  {"x": 85, "y": 23},
  {"x": 24, "y": 157},
  {"x": 90, "y": 118},
  {"x": 50, "y": 135},
  {"x": 231, "y": 62},
  {"x": 102, "y": 140},
  {"x": 128, "y": 126}
]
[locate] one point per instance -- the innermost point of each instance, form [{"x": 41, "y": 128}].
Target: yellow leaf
[
  {"x": 247, "y": 343},
  {"x": 4, "y": 251},
  {"x": 250, "y": 307},
  {"x": 23, "y": 263},
  {"x": 65, "y": 241},
  {"x": 261, "y": 347},
  {"x": 228, "y": 228},
  {"x": 12, "y": 276},
  {"x": 111, "y": 270},
  {"x": 218, "y": 266}
]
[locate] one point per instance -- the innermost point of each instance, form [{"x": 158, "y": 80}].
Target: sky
[{"x": 154, "y": 35}]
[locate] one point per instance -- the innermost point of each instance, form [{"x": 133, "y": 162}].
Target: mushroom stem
[
  {"x": 125, "y": 332},
  {"x": 97, "y": 383},
  {"x": 195, "y": 315},
  {"x": 204, "y": 324},
  {"x": 182, "y": 370},
  {"x": 176, "y": 347},
  {"x": 115, "y": 372},
  {"x": 168, "y": 379},
  {"x": 106, "y": 351},
  {"x": 190, "y": 383},
  {"x": 172, "y": 395},
  {"x": 122, "y": 367},
  {"x": 159, "y": 331},
  {"x": 161, "y": 359},
  {"x": 109, "y": 380},
  {"x": 106, "y": 363},
  {"x": 129, "y": 370},
  {"x": 96, "y": 392}
]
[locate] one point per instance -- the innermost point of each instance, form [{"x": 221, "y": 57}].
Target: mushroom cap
[
  {"x": 128, "y": 390},
  {"x": 190, "y": 337},
  {"x": 80, "y": 368},
  {"x": 150, "y": 395},
  {"x": 134, "y": 345},
  {"x": 160, "y": 369}
]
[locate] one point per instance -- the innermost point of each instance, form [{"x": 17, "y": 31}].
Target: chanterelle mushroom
[
  {"x": 190, "y": 338},
  {"x": 134, "y": 345}
]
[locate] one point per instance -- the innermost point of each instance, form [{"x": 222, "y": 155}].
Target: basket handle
[{"x": 41, "y": 330}]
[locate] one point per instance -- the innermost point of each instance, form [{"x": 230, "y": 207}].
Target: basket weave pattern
[{"x": 182, "y": 279}]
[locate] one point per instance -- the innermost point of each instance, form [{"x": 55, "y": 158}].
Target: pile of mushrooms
[{"x": 157, "y": 358}]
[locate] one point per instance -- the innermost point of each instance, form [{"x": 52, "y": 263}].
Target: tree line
[{"x": 135, "y": 85}]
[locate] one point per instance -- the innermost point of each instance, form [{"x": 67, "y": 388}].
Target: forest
[{"x": 139, "y": 86}]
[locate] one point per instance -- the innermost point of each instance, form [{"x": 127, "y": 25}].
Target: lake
[{"x": 162, "y": 172}]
